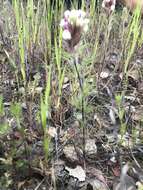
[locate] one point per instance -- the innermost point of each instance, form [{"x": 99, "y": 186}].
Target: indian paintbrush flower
[
  {"x": 73, "y": 24},
  {"x": 109, "y": 5}
]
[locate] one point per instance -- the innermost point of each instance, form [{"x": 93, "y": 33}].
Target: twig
[{"x": 132, "y": 154}]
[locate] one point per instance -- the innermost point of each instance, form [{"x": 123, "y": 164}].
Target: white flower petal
[
  {"x": 112, "y": 7},
  {"x": 85, "y": 28},
  {"x": 86, "y": 21},
  {"x": 81, "y": 13},
  {"x": 67, "y": 14},
  {"x": 66, "y": 35},
  {"x": 79, "y": 22},
  {"x": 62, "y": 23},
  {"x": 73, "y": 14},
  {"x": 103, "y": 4}
]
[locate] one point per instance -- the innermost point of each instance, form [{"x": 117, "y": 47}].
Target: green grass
[{"x": 45, "y": 109}]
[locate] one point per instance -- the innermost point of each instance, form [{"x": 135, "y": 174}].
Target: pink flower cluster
[{"x": 73, "y": 23}]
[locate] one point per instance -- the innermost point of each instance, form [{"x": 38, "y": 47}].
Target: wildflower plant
[{"x": 73, "y": 24}]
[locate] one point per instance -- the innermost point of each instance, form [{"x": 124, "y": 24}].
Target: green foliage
[
  {"x": 6, "y": 178},
  {"x": 18, "y": 8},
  {"x": 45, "y": 107},
  {"x": 121, "y": 113},
  {"x": 4, "y": 128},
  {"x": 6, "y": 181},
  {"x": 1, "y": 106},
  {"x": 133, "y": 35},
  {"x": 58, "y": 57},
  {"x": 16, "y": 111}
]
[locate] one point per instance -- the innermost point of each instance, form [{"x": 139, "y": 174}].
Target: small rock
[
  {"x": 90, "y": 148},
  {"x": 111, "y": 138},
  {"x": 52, "y": 132},
  {"x": 70, "y": 153},
  {"x": 38, "y": 90},
  {"x": 104, "y": 74},
  {"x": 138, "y": 114},
  {"x": 23, "y": 105},
  {"x": 66, "y": 85},
  {"x": 113, "y": 159},
  {"x": 76, "y": 124},
  {"x": 66, "y": 80},
  {"x": 112, "y": 116},
  {"x": 134, "y": 74},
  {"x": 7, "y": 104},
  {"x": 77, "y": 172},
  {"x": 21, "y": 90}
]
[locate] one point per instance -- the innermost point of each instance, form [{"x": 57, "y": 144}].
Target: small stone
[
  {"x": 90, "y": 148},
  {"x": 76, "y": 124},
  {"x": 77, "y": 172},
  {"x": 67, "y": 85},
  {"x": 70, "y": 153},
  {"x": 97, "y": 184},
  {"x": 104, "y": 74},
  {"x": 22, "y": 90},
  {"x": 38, "y": 90},
  {"x": 113, "y": 159},
  {"x": 66, "y": 80},
  {"x": 52, "y": 132},
  {"x": 23, "y": 105}
]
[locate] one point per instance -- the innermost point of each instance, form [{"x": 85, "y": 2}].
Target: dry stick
[
  {"x": 80, "y": 80},
  {"x": 38, "y": 186}
]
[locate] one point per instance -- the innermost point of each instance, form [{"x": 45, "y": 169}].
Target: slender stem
[{"x": 80, "y": 79}]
